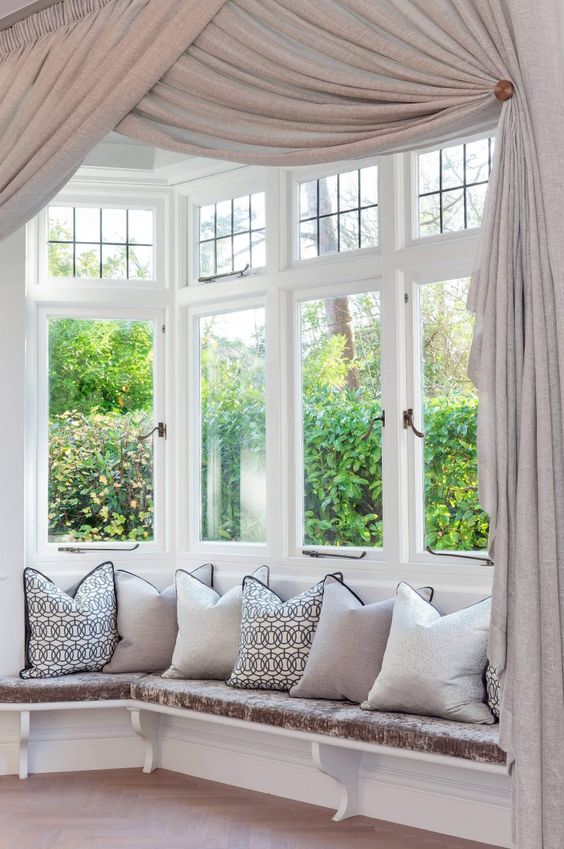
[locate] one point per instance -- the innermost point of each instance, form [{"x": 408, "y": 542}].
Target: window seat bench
[{"x": 339, "y": 732}]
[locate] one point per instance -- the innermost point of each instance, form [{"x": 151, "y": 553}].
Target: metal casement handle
[
  {"x": 160, "y": 429},
  {"x": 408, "y": 422}
]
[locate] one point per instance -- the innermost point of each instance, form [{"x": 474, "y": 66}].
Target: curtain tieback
[{"x": 504, "y": 90}]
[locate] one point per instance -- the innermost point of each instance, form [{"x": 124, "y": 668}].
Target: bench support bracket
[
  {"x": 146, "y": 726},
  {"x": 23, "y": 745},
  {"x": 343, "y": 765}
]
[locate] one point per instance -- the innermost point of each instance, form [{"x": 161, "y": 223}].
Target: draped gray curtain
[{"x": 290, "y": 82}]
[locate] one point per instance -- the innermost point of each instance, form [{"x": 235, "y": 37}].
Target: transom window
[
  {"x": 339, "y": 213},
  {"x": 452, "y": 185},
  {"x": 100, "y": 243},
  {"x": 232, "y": 235}
]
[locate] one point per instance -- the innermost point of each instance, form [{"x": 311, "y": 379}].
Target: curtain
[
  {"x": 291, "y": 82},
  {"x": 68, "y": 75}
]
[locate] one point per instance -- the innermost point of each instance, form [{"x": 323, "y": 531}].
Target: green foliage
[
  {"x": 453, "y": 518},
  {"x": 100, "y": 477},
  {"x": 100, "y": 366},
  {"x": 343, "y": 469}
]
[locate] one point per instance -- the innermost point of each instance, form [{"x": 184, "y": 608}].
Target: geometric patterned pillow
[
  {"x": 69, "y": 633},
  {"x": 493, "y": 690},
  {"x": 276, "y": 636}
]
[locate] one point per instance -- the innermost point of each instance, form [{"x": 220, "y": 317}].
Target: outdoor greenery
[{"x": 101, "y": 399}]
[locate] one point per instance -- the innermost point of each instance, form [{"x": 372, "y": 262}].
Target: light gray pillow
[
  {"x": 147, "y": 622},
  {"x": 209, "y": 627},
  {"x": 434, "y": 665},
  {"x": 349, "y": 645}
]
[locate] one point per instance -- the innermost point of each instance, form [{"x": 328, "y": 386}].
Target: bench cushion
[
  {"x": 336, "y": 719},
  {"x": 81, "y": 687}
]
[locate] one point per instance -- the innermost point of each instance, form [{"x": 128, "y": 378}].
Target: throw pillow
[
  {"x": 69, "y": 633},
  {"x": 209, "y": 626},
  {"x": 493, "y": 690},
  {"x": 434, "y": 665},
  {"x": 276, "y": 637},
  {"x": 147, "y": 622},
  {"x": 349, "y": 645}
]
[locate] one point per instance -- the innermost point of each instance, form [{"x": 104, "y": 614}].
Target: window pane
[
  {"x": 114, "y": 227},
  {"x": 140, "y": 226},
  {"x": 87, "y": 261},
  {"x": 87, "y": 225},
  {"x": 114, "y": 264},
  {"x": 342, "y": 438},
  {"x": 60, "y": 260},
  {"x": 60, "y": 223},
  {"x": 233, "y": 427},
  {"x": 141, "y": 263},
  {"x": 341, "y": 210},
  {"x": 452, "y": 187},
  {"x": 228, "y": 231},
  {"x": 453, "y": 518},
  {"x": 100, "y": 401}
]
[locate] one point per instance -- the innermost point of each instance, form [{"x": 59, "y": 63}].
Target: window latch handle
[
  {"x": 159, "y": 428},
  {"x": 408, "y": 422}
]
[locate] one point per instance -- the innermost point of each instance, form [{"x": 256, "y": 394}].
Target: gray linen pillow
[
  {"x": 434, "y": 665},
  {"x": 209, "y": 627},
  {"x": 147, "y": 622},
  {"x": 349, "y": 645}
]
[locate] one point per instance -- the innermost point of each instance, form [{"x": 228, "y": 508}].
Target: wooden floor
[{"x": 124, "y": 809}]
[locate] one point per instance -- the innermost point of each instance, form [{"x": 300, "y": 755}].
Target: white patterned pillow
[
  {"x": 69, "y": 633},
  {"x": 276, "y": 636}
]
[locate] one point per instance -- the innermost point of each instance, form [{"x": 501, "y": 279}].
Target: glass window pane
[
  {"x": 429, "y": 215},
  {"x": 114, "y": 226},
  {"x": 348, "y": 190},
  {"x": 87, "y": 261},
  {"x": 233, "y": 427},
  {"x": 100, "y": 401},
  {"x": 258, "y": 220},
  {"x": 308, "y": 200},
  {"x": 308, "y": 239},
  {"x": 224, "y": 255},
  {"x": 141, "y": 263},
  {"x": 453, "y": 518},
  {"x": 241, "y": 213},
  {"x": 429, "y": 171},
  {"x": 477, "y": 161},
  {"x": 475, "y": 202},
  {"x": 369, "y": 185},
  {"x": 140, "y": 226},
  {"x": 87, "y": 224},
  {"x": 342, "y": 437},
  {"x": 223, "y": 213},
  {"x": 369, "y": 227},
  {"x": 241, "y": 251},
  {"x": 207, "y": 222},
  {"x": 328, "y": 198},
  {"x": 207, "y": 259},
  {"x": 453, "y": 166},
  {"x": 328, "y": 235},
  {"x": 114, "y": 262},
  {"x": 348, "y": 227},
  {"x": 60, "y": 260},
  {"x": 453, "y": 210},
  {"x": 258, "y": 249},
  {"x": 60, "y": 223}
]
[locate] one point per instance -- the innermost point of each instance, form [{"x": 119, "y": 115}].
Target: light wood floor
[{"x": 124, "y": 809}]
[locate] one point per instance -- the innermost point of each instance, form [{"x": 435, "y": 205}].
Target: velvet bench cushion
[{"x": 477, "y": 743}]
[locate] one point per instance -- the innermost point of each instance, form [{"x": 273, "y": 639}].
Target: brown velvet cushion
[
  {"x": 81, "y": 687},
  {"x": 336, "y": 719}
]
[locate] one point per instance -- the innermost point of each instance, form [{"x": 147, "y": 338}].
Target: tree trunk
[{"x": 339, "y": 323}]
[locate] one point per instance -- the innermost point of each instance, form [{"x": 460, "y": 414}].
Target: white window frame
[{"x": 112, "y": 197}]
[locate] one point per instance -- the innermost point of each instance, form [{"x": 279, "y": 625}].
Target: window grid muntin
[
  {"x": 359, "y": 209},
  {"x": 231, "y": 235},
  {"x": 102, "y": 243},
  {"x": 463, "y": 188}
]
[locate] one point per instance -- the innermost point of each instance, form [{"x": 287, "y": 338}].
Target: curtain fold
[
  {"x": 68, "y": 75},
  {"x": 288, "y": 82}
]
